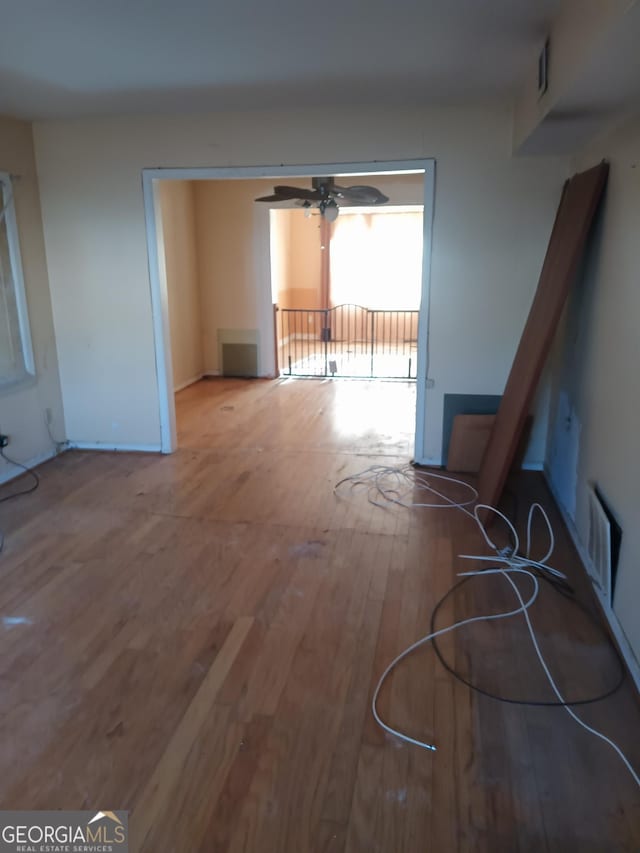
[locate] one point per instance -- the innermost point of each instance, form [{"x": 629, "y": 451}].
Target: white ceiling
[{"x": 92, "y": 57}]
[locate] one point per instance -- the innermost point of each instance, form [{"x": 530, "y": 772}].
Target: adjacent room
[
  {"x": 345, "y": 297},
  {"x": 318, "y": 424},
  {"x": 345, "y": 293},
  {"x": 347, "y": 290}
]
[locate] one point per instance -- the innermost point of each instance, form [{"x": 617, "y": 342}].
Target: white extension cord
[{"x": 394, "y": 485}]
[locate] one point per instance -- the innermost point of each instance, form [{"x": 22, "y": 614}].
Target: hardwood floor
[{"x": 195, "y": 638}]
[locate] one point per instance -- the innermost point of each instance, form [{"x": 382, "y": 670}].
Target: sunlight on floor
[{"x": 386, "y": 408}]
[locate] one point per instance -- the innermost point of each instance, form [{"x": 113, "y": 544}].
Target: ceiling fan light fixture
[
  {"x": 326, "y": 195},
  {"x": 329, "y": 210}
]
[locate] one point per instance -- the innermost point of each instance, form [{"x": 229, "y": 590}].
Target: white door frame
[{"x": 158, "y": 280}]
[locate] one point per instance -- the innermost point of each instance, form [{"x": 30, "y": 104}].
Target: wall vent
[
  {"x": 238, "y": 352},
  {"x": 599, "y": 544},
  {"x": 239, "y": 360}
]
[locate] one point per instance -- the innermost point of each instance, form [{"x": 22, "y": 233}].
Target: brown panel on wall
[
  {"x": 469, "y": 439},
  {"x": 576, "y": 212}
]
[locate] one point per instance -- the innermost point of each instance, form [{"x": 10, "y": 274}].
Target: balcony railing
[{"x": 348, "y": 341}]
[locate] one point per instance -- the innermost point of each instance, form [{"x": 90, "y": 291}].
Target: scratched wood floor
[{"x": 195, "y": 638}]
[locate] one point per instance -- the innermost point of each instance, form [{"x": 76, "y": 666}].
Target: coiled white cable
[
  {"x": 390, "y": 485},
  {"x": 552, "y": 540},
  {"x": 421, "y": 642},
  {"x": 554, "y": 687}
]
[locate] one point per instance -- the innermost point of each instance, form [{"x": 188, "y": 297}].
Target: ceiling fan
[{"x": 327, "y": 196}]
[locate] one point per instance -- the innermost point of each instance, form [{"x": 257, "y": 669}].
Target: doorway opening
[
  {"x": 348, "y": 291},
  {"x": 228, "y": 294}
]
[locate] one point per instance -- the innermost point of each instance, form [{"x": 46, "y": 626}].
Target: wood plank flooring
[{"x": 195, "y": 638}]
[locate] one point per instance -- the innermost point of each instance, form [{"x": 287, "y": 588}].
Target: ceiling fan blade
[
  {"x": 291, "y": 194},
  {"x": 351, "y": 201},
  {"x": 376, "y": 196},
  {"x": 360, "y": 195},
  {"x": 273, "y": 198},
  {"x": 297, "y": 192},
  {"x": 363, "y": 196}
]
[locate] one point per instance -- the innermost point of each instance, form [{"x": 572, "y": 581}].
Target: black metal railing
[{"x": 348, "y": 340}]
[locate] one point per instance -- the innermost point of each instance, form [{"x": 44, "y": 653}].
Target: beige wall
[
  {"x": 233, "y": 260},
  {"x": 493, "y": 216},
  {"x": 305, "y": 261},
  {"x": 400, "y": 189},
  {"x": 177, "y": 203},
  {"x": 280, "y": 233},
  {"x": 22, "y": 411},
  {"x": 596, "y": 407},
  {"x": 216, "y": 239}
]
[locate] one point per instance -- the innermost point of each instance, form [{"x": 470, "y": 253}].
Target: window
[
  {"x": 16, "y": 355},
  {"x": 376, "y": 258}
]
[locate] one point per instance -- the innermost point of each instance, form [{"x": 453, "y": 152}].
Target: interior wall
[
  {"x": 596, "y": 404},
  {"x": 233, "y": 240},
  {"x": 305, "y": 261},
  {"x": 493, "y": 217},
  {"x": 280, "y": 232},
  {"x": 177, "y": 205},
  {"x": 22, "y": 410}
]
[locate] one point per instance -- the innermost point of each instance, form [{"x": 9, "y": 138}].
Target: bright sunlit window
[
  {"x": 376, "y": 259},
  {"x": 16, "y": 356}
]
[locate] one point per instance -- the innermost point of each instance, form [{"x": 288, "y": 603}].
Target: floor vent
[{"x": 599, "y": 544}]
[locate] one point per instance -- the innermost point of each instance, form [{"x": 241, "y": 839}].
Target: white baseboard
[
  {"x": 427, "y": 462},
  {"x": 187, "y": 383},
  {"x": 118, "y": 448},
  {"x": 10, "y": 472},
  {"x": 195, "y": 379},
  {"x": 624, "y": 645}
]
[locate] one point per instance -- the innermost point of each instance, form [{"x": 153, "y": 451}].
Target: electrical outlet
[
  {"x": 4, "y": 440},
  {"x": 48, "y": 416}
]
